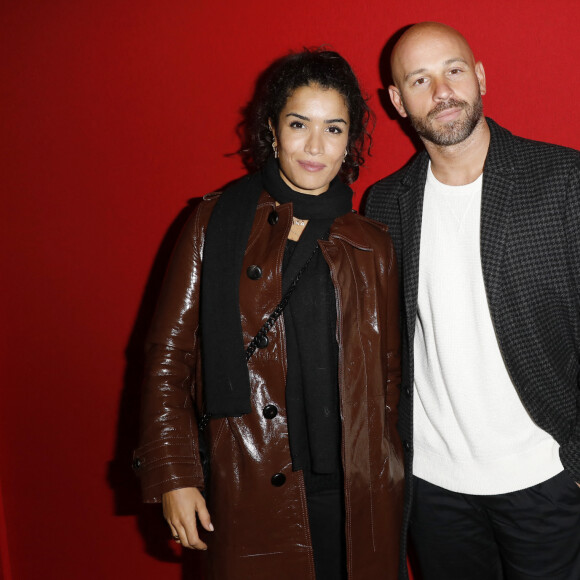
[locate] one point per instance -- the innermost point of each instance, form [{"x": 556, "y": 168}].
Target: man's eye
[
  {"x": 455, "y": 71},
  {"x": 420, "y": 81}
]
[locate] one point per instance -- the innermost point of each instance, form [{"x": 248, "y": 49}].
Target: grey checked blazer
[{"x": 530, "y": 254}]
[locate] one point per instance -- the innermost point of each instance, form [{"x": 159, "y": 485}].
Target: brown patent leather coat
[{"x": 262, "y": 529}]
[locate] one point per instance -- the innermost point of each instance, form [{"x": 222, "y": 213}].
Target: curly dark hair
[{"x": 316, "y": 66}]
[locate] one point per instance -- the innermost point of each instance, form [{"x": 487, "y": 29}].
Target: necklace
[{"x": 299, "y": 222}]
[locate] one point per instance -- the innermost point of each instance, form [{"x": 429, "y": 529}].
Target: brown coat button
[
  {"x": 254, "y": 272},
  {"x": 278, "y": 479},
  {"x": 270, "y": 411}
]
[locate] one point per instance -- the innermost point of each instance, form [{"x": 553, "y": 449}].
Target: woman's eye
[
  {"x": 334, "y": 129},
  {"x": 296, "y": 125}
]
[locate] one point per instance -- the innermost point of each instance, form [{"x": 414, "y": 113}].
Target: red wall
[{"x": 114, "y": 114}]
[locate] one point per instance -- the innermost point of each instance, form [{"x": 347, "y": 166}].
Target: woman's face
[{"x": 312, "y": 136}]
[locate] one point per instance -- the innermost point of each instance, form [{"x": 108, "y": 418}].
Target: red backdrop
[{"x": 114, "y": 114}]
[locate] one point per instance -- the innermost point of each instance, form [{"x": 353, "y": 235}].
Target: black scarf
[
  {"x": 226, "y": 376},
  {"x": 312, "y": 371}
]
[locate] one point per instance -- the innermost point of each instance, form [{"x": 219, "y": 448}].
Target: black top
[{"x": 304, "y": 430}]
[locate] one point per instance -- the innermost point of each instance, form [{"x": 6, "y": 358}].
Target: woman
[{"x": 305, "y": 464}]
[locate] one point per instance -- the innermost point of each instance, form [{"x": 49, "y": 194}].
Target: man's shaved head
[{"x": 420, "y": 36}]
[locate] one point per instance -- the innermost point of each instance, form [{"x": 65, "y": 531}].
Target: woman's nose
[{"x": 314, "y": 143}]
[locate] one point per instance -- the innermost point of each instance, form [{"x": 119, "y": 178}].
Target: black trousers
[
  {"x": 529, "y": 534},
  {"x": 326, "y": 517}
]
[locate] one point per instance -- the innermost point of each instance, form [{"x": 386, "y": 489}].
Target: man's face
[{"x": 438, "y": 86}]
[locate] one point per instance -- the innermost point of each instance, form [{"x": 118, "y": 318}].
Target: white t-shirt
[{"x": 472, "y": 433}]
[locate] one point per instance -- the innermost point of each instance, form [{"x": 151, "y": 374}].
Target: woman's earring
[
  {"x": 345, "y": 154},
  {"x": 274, "y": 144}
]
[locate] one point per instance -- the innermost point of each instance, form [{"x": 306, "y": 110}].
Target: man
[{"x": 486, "y": 228}]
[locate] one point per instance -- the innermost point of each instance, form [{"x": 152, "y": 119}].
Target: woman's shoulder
[
  {"x": 202, "y": 208},
  {"x": 369, "y": 223},
  {"x": 366, "y": 225},
  {"x": 209, "y": 200},
  {"x": 363, "y": 233},
  {"x": 211, "y": 196},
  {"x": 197, "y": 212}
]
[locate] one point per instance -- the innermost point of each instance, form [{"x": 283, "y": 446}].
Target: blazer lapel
[
  {"x": 498, "y": 184},
  {"x": 411, "y": 210}
]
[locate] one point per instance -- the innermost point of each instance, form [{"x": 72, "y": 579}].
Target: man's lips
[
  {"x": 448, "y": 114},
  {"x": 448, "y": 111},
  {"x": 311, "y": 166}
]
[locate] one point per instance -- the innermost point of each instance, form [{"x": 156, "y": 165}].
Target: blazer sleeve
[
  {"x": 168, "y": 455},
  {"x": 570, "y": 451}
]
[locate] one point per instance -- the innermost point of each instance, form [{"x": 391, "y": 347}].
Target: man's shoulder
[
  {"x": 390, "y": 183},
  {"x": 530, "y": 154},
  {"x": 546, "y": 150},
  {"x": 411, "y": 170},
  {"x": 381, "y": 201}
]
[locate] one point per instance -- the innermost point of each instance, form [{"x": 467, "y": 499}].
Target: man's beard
[{"x": 453, "y": 132}]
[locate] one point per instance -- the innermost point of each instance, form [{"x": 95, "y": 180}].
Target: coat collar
[
  {"x": 500, "y": 158},
  {"x": 411, "y": 212},
  {"x": 350, "y": 229},
  {"x": 498, "y": 183},
  {"x": 347, "y": 227},
  {"x": 500, "y": 155}
]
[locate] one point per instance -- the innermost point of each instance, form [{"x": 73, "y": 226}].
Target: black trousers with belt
[{"x": 532, "y": 534}]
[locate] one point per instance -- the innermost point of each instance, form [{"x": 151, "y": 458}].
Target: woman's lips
[{"x": 311, "y": 166}]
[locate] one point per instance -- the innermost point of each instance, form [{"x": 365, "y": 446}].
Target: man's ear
[
  {"x": 397, "y": 101},
  {"x": 480, "y": 74}
]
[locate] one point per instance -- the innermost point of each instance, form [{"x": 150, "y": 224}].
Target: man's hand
[{"x": 180, "y": 507}]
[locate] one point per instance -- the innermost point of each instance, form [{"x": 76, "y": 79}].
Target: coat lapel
[
  {"x": 498, "y": 184},
  {"x": 411, "y": 210}
]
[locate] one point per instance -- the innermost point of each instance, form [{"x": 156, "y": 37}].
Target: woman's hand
[{"x": 180, "y": 507}]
